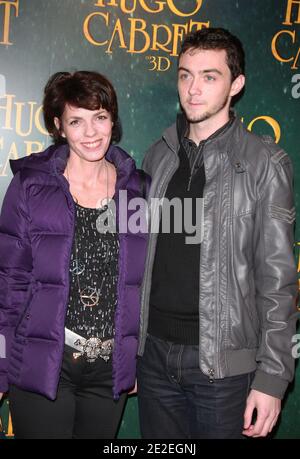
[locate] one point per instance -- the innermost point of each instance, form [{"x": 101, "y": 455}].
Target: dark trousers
[
  {"x": 177, "y": 401},
  {"x": 84, "y": 407}
]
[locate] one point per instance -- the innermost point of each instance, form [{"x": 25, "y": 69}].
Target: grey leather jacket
[{"x": 248, "y": 278}]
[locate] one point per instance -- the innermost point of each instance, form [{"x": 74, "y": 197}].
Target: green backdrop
[{"x": 135, "y": 43}]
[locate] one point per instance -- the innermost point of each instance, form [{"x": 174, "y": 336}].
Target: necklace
[{"x": 89, "y": 296}]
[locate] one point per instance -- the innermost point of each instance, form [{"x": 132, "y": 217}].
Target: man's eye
[
  {"x": 210, "y": 78},
  {"x": 183, "y": 76}
]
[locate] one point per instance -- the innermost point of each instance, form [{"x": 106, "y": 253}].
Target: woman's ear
[{"x": 57, "y": 123}]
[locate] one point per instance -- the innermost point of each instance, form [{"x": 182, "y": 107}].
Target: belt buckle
[{"x": 95, "y": 347}]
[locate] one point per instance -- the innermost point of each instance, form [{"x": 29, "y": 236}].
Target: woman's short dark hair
[
  {"x": 83, "y": 89},
  {"x": 218, "y": 39}
]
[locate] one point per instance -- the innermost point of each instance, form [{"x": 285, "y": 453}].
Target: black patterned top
[{"x": 94, "y": 273}]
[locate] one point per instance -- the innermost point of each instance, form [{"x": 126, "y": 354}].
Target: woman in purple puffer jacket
[{"x": 71, "y": 265}]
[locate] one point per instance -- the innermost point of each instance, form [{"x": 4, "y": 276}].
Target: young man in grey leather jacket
[{"x": 218, "y": 312}]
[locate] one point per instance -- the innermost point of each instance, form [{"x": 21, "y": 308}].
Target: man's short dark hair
[
  {"x": 218, "y": 39},
  {"x": 82, "y": 89}
]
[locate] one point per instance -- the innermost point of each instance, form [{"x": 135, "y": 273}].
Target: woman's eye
[{"x": 74, "y": 123}]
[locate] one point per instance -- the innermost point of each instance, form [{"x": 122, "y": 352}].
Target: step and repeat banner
[{"x": 135, "y": 43}]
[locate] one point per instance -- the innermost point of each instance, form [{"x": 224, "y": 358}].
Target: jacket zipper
[
  {"x": 72, "y": 207},
  {"x": 220, "y": 187},
  {"x": 193, "y": 167}
]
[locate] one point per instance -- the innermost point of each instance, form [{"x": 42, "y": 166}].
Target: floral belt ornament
[{"x": 91, "y": 348}]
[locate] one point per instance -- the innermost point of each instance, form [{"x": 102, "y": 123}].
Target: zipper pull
[{"x": 211, "y": 374}]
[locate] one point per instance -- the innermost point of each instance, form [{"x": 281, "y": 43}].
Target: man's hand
[
  {"x": 268, "y": 409},
  {"x": 1, "y": 395}
]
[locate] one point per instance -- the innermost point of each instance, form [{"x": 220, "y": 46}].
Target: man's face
[{"x": 204, "y": 85}]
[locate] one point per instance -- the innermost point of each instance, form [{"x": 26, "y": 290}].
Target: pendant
[
  {"x": 77, "y": 267},
  {"x": 89, "y": 297}
]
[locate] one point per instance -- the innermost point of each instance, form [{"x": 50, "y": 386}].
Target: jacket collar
[
  {"x": 222, "y": 140},
  {"x": 54, "y": 159}
]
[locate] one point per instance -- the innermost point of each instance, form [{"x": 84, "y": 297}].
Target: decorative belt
[{"x": 91, "y": 348}]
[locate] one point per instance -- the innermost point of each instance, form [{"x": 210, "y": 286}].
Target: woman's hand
[{"x": 134, "y": 390}]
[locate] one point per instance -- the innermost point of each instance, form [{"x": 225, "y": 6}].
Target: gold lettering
[
  {"x": 160, "y": 63},
  {"x": 19, "y": 107},
  {"x": 7, "y": 7},
  {"x": 86, "y": 28},
  {"x": 134, "y": 30},
  {"x": 37, "y": 120},
  {"x": 156, "y": 45},
  {"x": 146, "y": 7},
  {"x": 101, "y": 3},
  {"x": 274, "y": 45},
  {"x": 8, "y": 111},
  {"x": 153, "y": 61},
  {"x": 179, "y": 31},
  {"x": 10, "y": 432},
  {"x": 288, "y": 18},
  {"x": 143, "y": 3},
  {"x": 117, "y": 30},
  {"x": 199, "y": 25},
  {"x": 180, "y": 13},
  {"x": 273, "y": 123},
  {"x": 298, "y": 270},
  {"x": 160, "y": 66},
  {"x": 124, "y": 9},
  {"x": 33, "y": 147},
  {"x": 12, "y": 154},
  {"x": 294, "y": 66}
]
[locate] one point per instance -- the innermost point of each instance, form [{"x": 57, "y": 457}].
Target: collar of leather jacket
[{"x": 223, "y": 140}]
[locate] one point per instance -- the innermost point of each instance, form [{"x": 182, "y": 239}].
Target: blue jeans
[{"x": 176, "y": 400}]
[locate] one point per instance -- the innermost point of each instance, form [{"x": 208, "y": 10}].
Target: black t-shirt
[{"x": 94, "y": 273}]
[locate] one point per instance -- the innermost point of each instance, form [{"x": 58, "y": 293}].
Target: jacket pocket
[{"x": 21, "y": 325}]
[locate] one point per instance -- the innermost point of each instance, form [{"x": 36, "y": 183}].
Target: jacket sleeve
[
  {"x": 15, "y": 269},
  {"x": 275, "y": 277}
]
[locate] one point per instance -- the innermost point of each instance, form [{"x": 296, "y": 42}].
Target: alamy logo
[
  {"x": 296, "y": 87},
  {"x": 168, "y": 216},
  {"x": 296, "y": 348}
]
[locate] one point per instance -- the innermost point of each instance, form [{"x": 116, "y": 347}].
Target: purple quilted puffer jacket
[{"x": 36, "y": 234}]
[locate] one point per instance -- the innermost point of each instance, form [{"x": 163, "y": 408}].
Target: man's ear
[
  {"x": 58, "y": 126},
  {"x": 237, "y": 85}
]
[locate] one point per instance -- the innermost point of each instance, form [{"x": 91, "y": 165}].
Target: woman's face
[{"x": 88, "y": 132}]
